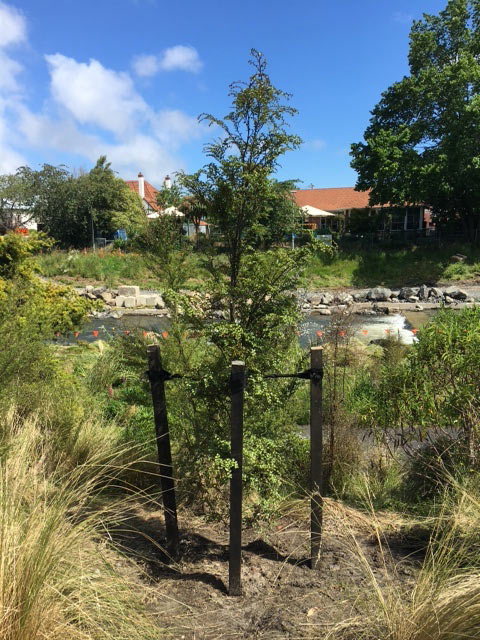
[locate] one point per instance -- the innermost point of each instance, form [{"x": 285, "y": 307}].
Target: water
[{"x": 364, "y": 328}]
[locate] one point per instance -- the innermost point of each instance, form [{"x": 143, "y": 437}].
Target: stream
[{"x": 364, "y": 328}]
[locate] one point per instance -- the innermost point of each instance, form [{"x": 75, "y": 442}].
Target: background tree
[
  {"x": 17, "y": 195},
  {"x": 422, "y": 142},
  {"x": 236, "y": 187},
  {"x": 73, "y": 210}
]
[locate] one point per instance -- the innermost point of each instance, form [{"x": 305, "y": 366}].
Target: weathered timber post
[
  {"x": 237, "y": 385},
  {"x": 316, "y": 447},
  {"x": 157, "y": 379}
]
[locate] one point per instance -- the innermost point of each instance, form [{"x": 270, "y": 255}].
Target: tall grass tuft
[{"x": 57, "y": 577}]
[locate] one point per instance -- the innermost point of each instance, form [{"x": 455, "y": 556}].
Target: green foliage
[
  {"x": 17, "y": 254},
  {"x": 420, "y": 144},
  {"x": 432, "y": 393},
  {"x": 240, "y": 197},
  {"x": 17, "y": 197}
]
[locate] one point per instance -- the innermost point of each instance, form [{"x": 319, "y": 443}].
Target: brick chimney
[{"x": 141, "y": 185}]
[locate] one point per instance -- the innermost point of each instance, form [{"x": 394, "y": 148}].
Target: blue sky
[{"x": 128, "y": 78}]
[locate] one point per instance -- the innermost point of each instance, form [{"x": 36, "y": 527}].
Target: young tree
[
  {"x": 236, "y": 188},
  {"x": 422, "y": 141}
]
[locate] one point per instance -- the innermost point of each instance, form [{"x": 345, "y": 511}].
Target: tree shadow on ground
[
  {"x": 143, "y": 540},
  {"x": 398, "y": 267}
]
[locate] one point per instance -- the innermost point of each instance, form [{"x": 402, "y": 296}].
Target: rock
[
  {"x": 324, "y": 312},
  {"x": 116, "y": 314},
  {"x": 394, "y": 299},
  {"x": 88, "y": 288},
  {"x": 413, "y": 299},
  {"x": 107, "y": 297},
  {"x": 130, "y": 302},
  {"x": 119, "y": 301},
  {"x": 98, "y": 291},
  {"x": 91, "y": 296},
  {"x": 314, "y": 300},
  {"x": 449, "y": 300},
  {"x": 151, "y": 300},
  {"x": 140, "y": 301},
  {"x": 360, "y": 296},
  {"x": 306, "y": 306},
  {"x": 458, "y": 257},
  {"x": 456, "y": 293},
  {"x": 379, "y": 293},
  {"x": 407, "y": 292},
  {"x": 326, "y": 298},
  {"x": 394, "y": 310},
  {"x": 128, "y": 291},
  {"x": 470, "y": 299},
  {"x": 160, "y": 304},
  {"x": 344, "y": 298},
  {"x": 435, "y": 292},
  {"x": 418, "y": 307},
  {"x": 423, "y": 292}
]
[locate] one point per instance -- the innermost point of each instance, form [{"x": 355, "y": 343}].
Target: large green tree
[
  {"x": 236, "y": 188},
  {"x": 73, "y": 209},
  {"x": 422, "y": 143}
]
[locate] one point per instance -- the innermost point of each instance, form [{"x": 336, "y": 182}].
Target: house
[
  {"x": 343, "y": 201},
  {"x": 147, "y": 193}
]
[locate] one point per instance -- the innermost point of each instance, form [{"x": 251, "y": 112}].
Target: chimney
[
  {"x": 141, "y": 185},
  {"x": 167, "y": 182}
]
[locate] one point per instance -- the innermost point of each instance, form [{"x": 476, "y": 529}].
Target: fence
[{"x": 238, "y": 379}]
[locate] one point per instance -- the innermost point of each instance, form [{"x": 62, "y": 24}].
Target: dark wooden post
[
  {"x": 316, "y": 446},
  {"x": 163, "y": 447},
  {"x": 237, "y": 385}
]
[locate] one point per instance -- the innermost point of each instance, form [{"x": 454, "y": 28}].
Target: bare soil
[{"x": 282, "y": 597}]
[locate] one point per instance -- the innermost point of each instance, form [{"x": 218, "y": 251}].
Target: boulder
[
  {"x": 107, "y": 297},
  {"x": 449, "y": 300},
  {"x": 160, "y": 304},
  {"x": 458, "y": 257},
  {"x": 380, "y": 294},
  {"x": 413, "y": 299},
  {"x": 89, "y": 288},
  {"x": 129, "y": 291},
  {"x": 423, "y": 292},
  {"x": 324, "y": 312},
  {"x": 130, "y": 302},
  {"x": 456, "y": 293},
  {"x": 326, "y": 298},
  {"x": 435, "y": 292},
  {"x": 406, "y": 292},
  {"x": 314, "y": 300},
  {"x": 344, "y": 298},
  {"x": 98, "y": 291}
]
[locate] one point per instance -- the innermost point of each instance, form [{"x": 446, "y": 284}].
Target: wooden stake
[
  {"x": 163, "y": 447},
  {"x": 237, "y": 384},
  {"x": 316, "y": 450}
]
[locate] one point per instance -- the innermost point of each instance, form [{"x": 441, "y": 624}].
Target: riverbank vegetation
[{"x": 348, "y": 268}]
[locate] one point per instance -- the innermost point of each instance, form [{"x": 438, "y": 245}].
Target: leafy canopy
[
  {"x": 422, "y": 141},
  {"x": 240, "y": 197}
]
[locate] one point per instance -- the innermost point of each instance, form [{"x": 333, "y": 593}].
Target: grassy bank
[{"x": 389, "y": 267}]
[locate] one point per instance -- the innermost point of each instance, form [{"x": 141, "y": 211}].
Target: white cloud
[
  {"x": 178, "y": 58},
  {"x": 182, "y": 58},
  {"x": 145, "y": 66},
  {"x": 96, "y": 95},
  {"x": 9, "y": 69},
  {"x": 13, "y": 28},
  {"x": 91, "y": 111}
]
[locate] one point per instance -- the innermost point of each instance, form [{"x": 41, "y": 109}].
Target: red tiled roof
[
  {"x": 150, "y": 193},
  {"x": 333, "y": 199}
]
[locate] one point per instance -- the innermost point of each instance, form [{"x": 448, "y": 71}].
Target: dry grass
[{"x": 57, "y": 579}]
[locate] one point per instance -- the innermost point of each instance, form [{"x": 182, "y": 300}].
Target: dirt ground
[{"x": 282, "y": 597}]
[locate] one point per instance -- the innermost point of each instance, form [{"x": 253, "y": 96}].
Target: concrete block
[
  {"x": 119, "y": 301},
  {"x": 130, "y": 302},
  {"x": 151, "y": 301},
  {"x": 128, "y": 290},
  {"x": 141, "y": 301}
]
